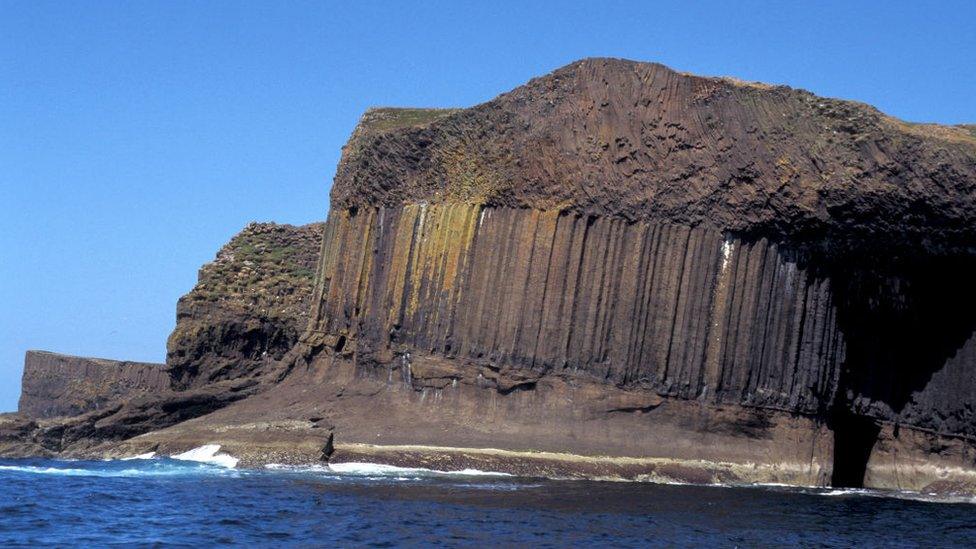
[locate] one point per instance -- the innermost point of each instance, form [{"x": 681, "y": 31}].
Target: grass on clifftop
[
  {"x": 390, "y": 118},
  {"x": 266, "y": 266}
]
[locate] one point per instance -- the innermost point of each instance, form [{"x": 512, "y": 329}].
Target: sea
[{"x": 201, "y": 498}]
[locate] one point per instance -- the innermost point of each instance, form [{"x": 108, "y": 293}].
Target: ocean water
[{"x": 201, "y": 499}]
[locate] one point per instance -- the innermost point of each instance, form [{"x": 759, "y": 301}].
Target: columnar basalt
[
  {"x": 62, "y": 385},
  {"x": 616, "y": 270},
  {"x": 682, "y": 312},
  {"x": 688, "y": 239}
]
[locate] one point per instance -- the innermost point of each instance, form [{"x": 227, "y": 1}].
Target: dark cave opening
[
  {"x": 854, "y": 439},
  {"x": 902, "y": 319}
]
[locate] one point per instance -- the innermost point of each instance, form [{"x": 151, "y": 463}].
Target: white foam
[
  {"x": 296, "y": 468},
  {"x": 370, "y": 469},
  {"x": 848, "y": 492},
  {"x": 477, "y": 473},
  {"x": 208, "y": 453},
  {"x": 155, "y": 471},
  {"x": 47, "y": 470},
  {"x": 771, "y": 485},
  {"x": 147, "y": 455},
  {"x": 380, "y": 470}
]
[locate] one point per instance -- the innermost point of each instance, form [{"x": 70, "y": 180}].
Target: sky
[{"x": 137, "y": 137}]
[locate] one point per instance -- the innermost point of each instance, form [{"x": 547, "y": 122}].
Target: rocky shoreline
[
  {"x": 287, "y": 455},
  {"x": 615, "y": 271}
]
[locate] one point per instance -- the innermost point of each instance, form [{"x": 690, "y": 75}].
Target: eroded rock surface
[
  {"x": 695, "y": 278},
  {"x": 247, "y": 310},
  {"x": 694, "y": 239},
  {"x": 63, "y": 385},
  {"x": 249, "y": 306},
  {"x": 643, "y": 142}
]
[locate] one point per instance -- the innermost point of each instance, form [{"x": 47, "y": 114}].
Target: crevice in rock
[
  {"x": 905, "y": 320},
  {"x": 854, "y": 439},
  {"x": 634, "y": 409},
  {"x": 524, "y": 386}
]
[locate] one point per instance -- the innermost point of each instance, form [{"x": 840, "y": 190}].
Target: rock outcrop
[
  {"x": 63, "y": 385},
  {"x": 642, "y": 142},
  {"x": 248, "y": 309},
  {"x": 249, "y": 306},
  {"x": 693, "y": 239},
  {"x": 615, "y": 270}
]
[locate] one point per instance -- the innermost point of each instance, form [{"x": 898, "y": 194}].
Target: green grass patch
[{"x": 385, "y": 119}]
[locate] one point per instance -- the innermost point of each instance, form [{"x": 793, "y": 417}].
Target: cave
[
  {"x": 854, "y": 439},
  {"x": 902, "y": 320}
]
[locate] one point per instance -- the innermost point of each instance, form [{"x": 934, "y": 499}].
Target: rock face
[
  {"x": 669, "y": 309},
  {"x": 614, "y": 270},
  {"x": 249, "y": 306},
  {"x": 62, "y": 385},
  {"x": 693, "y": 239},
  {"x": 248, "y": 309},
  {"x": 642, "y": 142}
]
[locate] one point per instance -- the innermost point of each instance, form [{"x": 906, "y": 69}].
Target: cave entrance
[
  {"x": 902, "y": 318},
  {"x": 854, "y": 439}
]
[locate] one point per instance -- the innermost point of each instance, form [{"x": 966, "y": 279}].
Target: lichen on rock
[{"x": 248, "y": 307}]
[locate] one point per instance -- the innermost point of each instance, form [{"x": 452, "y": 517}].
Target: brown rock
[
  {"x": 248, "y": 307},
  {"x": 673, "y": 236},
  {"x": 63, "y": 385},
  {"x": 676, "y": 277},
  {"x": 640, "y": 141}
]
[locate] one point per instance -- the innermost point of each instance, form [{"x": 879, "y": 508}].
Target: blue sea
[{"x": 168, "y": 502}]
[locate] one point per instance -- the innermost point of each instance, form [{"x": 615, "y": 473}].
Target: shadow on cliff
[{"x": 902, "y": 321}]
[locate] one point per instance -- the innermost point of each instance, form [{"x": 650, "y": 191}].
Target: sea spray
[
  {"x": 365, "y": 469},
  {"x": 208, "y": 453}
]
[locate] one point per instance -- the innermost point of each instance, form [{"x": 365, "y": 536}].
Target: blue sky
[{"x": 137, "y": 137}]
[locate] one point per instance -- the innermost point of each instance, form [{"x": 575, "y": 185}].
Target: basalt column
[
  {"x": 683, "y": 312},
  {"x": 755, "y": 256}
]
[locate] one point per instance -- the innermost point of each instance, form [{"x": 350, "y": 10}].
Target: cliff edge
[
  {"x": 622, "y": 259},
  {"x": 643, "y": 142},
  {"x": 616, "y": 270},
  {"x": 249, "y": 305},
  {"x": 63, "y": 385},
  {"x": 247, "y": 310}
]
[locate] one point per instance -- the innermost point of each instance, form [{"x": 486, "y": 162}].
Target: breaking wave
[
  {"x": 117, "y": 469},
  {"x": 380, "y": 470},
  {"x": 208, "y": 453},
  {"x": 207, "y": 460},
  {"x": 147, "y": 455}
]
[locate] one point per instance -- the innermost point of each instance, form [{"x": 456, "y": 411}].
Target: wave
[
  {"x": 110, "y": 470},
  {"x": 381, "y": 470},
  {"x": 372, "y": 469},
  {"x": 208, "y": 453},
  {"x": 47, "y": 470},
  {"x": 867, "y": 493},
  {"x": 207, "y": 460},
  {"x": 847, "y": 492},
  {"x": 901, "y": 494},
  {"x": 147, "y": 455}
]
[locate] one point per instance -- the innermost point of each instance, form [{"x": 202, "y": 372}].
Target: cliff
[
  {"x": 642, "y": 142},
  {"x": 617, "y": 270},
  {"x": 248, "y": 307},
  {"x": 677, "y": 239},
  {"x": 62, "y": 385}
]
